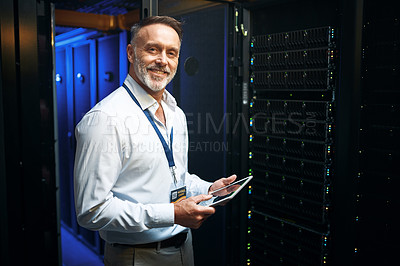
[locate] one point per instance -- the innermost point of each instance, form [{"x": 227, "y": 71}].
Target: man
[{"x": 131, "y": 179}]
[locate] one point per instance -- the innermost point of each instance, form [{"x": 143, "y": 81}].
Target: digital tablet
[{"x": 232, "y": 190}]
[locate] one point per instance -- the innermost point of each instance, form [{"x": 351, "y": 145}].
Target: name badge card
[{"x": 178, "y": 194}]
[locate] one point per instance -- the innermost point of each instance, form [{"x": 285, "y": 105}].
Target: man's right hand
[{"x": 189, "y": 214}]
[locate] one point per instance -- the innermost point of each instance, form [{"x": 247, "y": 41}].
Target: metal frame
[
  {"x": 29, "y": 195},
  {"x": 348, "y": 118},
  {"x": 149, "y": 8},
  {"x": 7, "y": 109},
  {"x": 237, "y": 137}
]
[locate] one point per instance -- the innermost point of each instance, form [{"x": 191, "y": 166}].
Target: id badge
[{"x": 178, "y": 194}]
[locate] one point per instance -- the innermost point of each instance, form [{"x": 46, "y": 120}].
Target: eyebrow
[{"x": 158, "y": 46}]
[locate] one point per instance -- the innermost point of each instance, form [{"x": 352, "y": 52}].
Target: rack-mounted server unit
[{"x": 293, "y": 79}]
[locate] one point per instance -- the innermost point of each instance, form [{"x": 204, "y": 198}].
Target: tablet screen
[{"x": 226, "y": 193}]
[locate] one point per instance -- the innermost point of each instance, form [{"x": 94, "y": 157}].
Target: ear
[{"x": 130, "y": 53}]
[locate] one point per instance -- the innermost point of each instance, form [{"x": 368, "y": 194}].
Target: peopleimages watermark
[
  {"x": 210, "y": 129},
  {"x": 260, "y": 123},
  {"x": 275, "y": 123},
  {"x": 279, "y": 123}
]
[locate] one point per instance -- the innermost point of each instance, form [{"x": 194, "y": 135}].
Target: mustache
[{"x": 158, "y": 68}]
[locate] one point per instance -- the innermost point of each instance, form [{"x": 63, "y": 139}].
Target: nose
[{"x": 162, "y": 59}]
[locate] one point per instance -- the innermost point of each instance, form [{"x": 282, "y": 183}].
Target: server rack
[
  {"x": 323, "y": 142},
  {"x": 293, "y": 79},
  {"x": 378, "y": 178},
  {"x": 28, "y": 223}
]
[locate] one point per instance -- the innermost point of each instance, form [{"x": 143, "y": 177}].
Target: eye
[
  {"x": 152, "y": 50},
  {"x": 172, "y": 54}
]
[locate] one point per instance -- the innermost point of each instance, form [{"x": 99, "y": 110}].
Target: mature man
[{"x": 131, "y": 179}]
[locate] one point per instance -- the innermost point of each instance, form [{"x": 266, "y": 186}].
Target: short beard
[{"x": 153, "y": 83}]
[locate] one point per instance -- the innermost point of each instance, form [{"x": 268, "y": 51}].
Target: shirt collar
[{"x": 146, "y": 100}]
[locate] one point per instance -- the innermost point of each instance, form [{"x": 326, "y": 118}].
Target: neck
[{"x": 157, "y": 95}]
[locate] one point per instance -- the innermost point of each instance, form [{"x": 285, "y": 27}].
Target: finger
[
  {"x": 207, "y": 211},
  {"x": 200, "y": 198},
  {"x": 229, "y": 180}
]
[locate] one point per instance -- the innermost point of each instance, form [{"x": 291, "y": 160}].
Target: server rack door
[
  {"x": 64, "y": 138},
  {"x": 200, "y": 89},
  {"x": 83, "y": 95},
  {"x": 81, "y": 77},
  {"x": 108, "y": 65}
]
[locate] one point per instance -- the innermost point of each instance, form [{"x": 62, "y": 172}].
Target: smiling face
[{"x": 154, "y": 56}]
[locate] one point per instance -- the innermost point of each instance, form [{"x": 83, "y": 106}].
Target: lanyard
[{"x": 167, "y": 150}]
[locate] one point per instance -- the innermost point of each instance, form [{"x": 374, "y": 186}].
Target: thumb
[{"x": 200, "y": 198}]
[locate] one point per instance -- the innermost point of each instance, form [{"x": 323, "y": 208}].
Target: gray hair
[{"x": 165, "y": 20}]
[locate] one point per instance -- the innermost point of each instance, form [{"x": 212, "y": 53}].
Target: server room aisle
[{"x": 75, "y": 253}]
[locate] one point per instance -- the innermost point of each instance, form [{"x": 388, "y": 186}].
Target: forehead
[{"x": 158, "y": 33}]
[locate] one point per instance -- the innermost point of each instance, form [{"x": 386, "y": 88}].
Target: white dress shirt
[{"x": 122, "y": 179}]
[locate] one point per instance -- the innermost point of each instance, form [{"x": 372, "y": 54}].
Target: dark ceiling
[
  {"x": 117, "y": 7},
  {"x": 107, "y": 7}
]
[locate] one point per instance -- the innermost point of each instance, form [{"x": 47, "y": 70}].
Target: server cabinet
[
  {"x": 323, "y": 133},
  {"x": 293, "y": 81},
  {"x": 295, "y": 72},
  {"x": 28, "y": 176},
  {"x": 89, "y": 66},
  {"x": 377, "y": 179},
  {"x": 75, "y": 92}
]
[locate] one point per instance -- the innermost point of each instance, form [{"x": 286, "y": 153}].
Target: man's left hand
[{"x": 222, "y": 182}]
